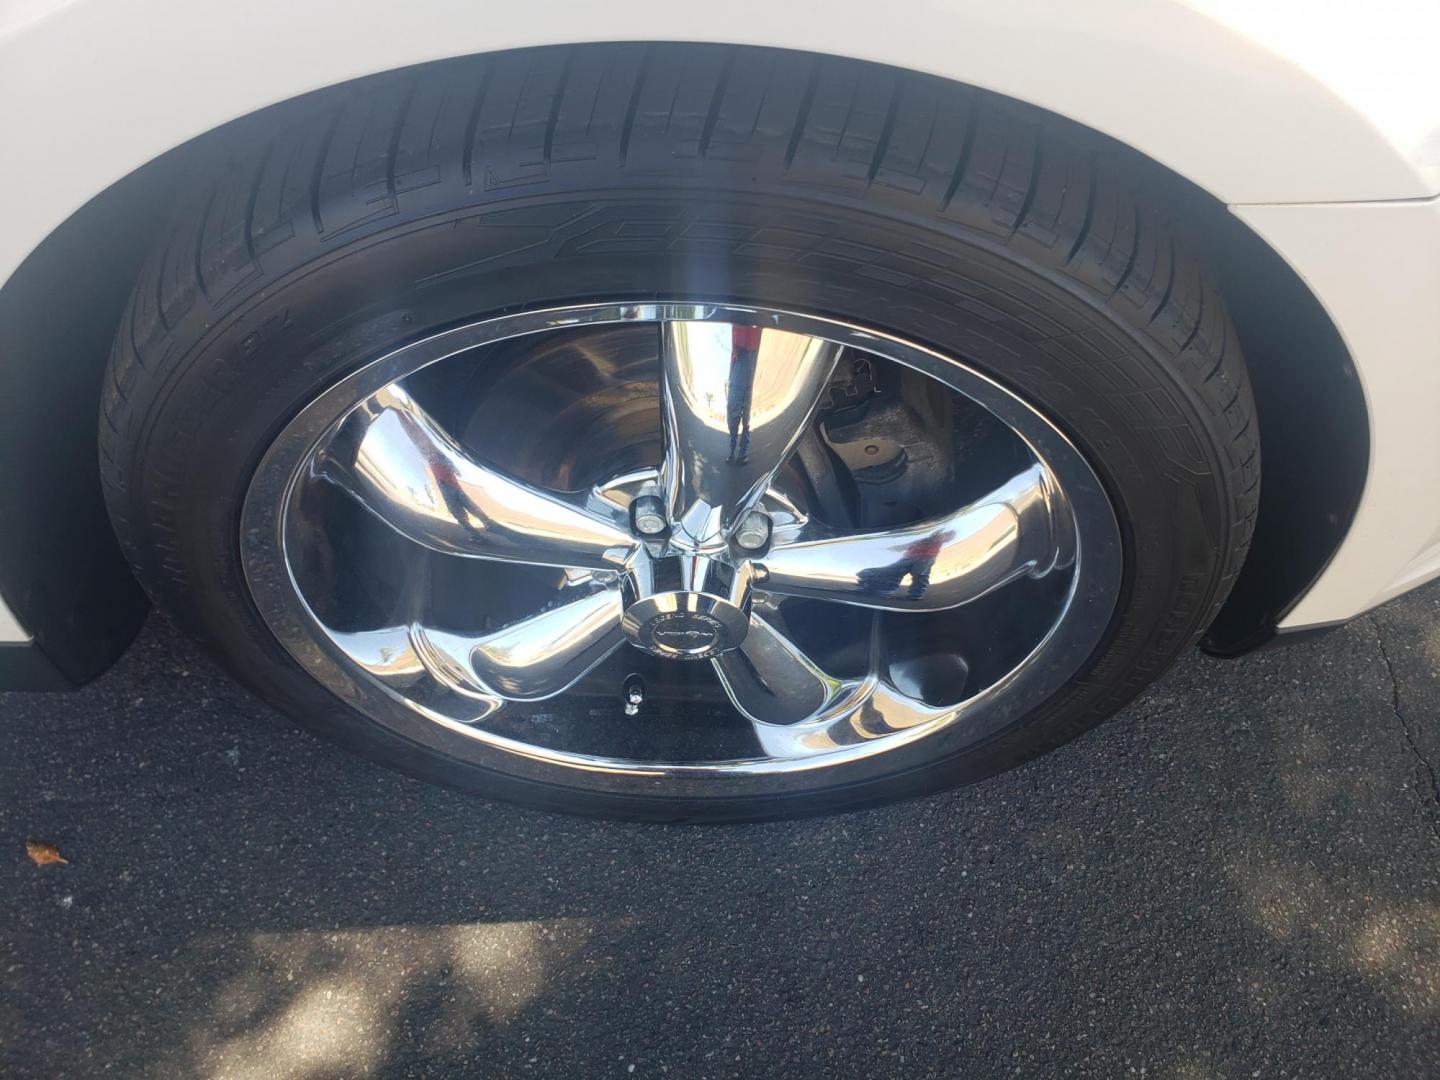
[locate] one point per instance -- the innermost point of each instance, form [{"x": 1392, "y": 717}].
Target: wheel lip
[{"x": 1053, "y": 661}]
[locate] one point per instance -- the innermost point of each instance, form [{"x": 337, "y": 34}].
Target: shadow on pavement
[{"x": 1236, "y": 877}]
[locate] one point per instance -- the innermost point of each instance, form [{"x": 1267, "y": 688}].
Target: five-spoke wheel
[{"x": 700, "y": 557}]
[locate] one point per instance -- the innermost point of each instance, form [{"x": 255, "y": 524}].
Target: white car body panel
[
  {"x": 11, "y": 632},
  {"x": 1263, "y": 103},
  {"x": 1389, "y": 316}
]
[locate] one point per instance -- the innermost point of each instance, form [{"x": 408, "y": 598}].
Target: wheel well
[
  {"x": 62, "y": 573},
  {"x": 61, "y": 570},
  {"x": 1314, "y": 434}
]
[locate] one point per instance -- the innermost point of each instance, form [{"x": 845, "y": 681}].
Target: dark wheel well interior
[
  {"x": 62, "y": 574},
  {"x": 1314, "y": 435}
]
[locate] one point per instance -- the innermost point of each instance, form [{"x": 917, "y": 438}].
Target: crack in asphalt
[{"x": 1431, "y": 805}]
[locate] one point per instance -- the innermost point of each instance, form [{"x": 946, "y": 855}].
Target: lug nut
[
  {"x": 647, "y": 515},
  {"x": 753, "y": 532}
]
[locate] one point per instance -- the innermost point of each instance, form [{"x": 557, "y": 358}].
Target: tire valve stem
[{"x": 633, "y": 694}]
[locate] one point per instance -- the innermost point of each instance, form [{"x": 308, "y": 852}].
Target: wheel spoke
[
  {"x": 394, "y": 656},
  {"x": 736, "y": 400},
  {"x": 1019, "y": 528},
  {"x": 533, "y": 658},
  {"x": 770, "y": 680},
  {"x": 797, "y": 711},
  {"x": 873, "y": 710},
  {"x": 407, "y": 470},
  {"x": 388, "y": 654},
  {"x": 779, "y": 689}
]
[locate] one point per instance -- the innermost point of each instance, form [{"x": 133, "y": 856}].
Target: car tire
[{"x": 326, "y": 232}]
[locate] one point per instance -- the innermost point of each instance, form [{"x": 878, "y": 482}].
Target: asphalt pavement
[{"x": 1237, "y": 877}]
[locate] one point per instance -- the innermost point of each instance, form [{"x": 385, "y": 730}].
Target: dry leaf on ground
[{"x": 43, "y": 854}]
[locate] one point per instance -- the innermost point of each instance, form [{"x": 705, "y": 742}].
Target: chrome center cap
[
  {"x": 685, "y": 626},
  {"x": 688, "y": 607},
  {"x": 684, "y": 633}
]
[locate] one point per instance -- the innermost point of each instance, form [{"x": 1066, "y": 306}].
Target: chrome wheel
[{"x": 876, "y": 554}]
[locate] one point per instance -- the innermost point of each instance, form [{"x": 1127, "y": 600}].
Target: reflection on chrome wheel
[{"x": 875, "y": 554}]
